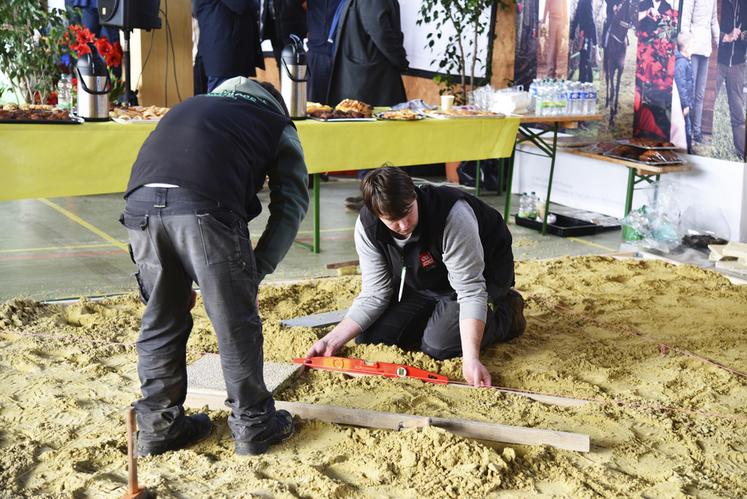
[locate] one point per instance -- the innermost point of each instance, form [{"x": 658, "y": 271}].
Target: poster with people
[{"x": 671, "y": 70}]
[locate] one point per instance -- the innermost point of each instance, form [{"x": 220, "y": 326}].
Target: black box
[
  {"x": 130, "y": 14},
  {"x": 565, "y": 226}
]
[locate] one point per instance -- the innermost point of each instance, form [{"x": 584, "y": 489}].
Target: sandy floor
[{"x": 662, "y": 425}]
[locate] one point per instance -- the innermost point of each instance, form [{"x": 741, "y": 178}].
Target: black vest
[
  {"x": 423, "y": 255},
  {"x": 219, "y": 147}
]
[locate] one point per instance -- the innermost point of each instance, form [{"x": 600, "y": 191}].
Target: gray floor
[{"x": 70, "y": 247}]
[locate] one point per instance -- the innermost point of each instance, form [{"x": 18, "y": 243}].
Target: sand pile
[{"x": 662, "y": 424}]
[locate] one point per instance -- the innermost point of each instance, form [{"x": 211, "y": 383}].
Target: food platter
[
  {"x": 138, "y": 114},
  {"x": 74, "y": 120},
  {"x": 333, "y": 120},
  {"x": 37, "y": 115},
  {"x": 402, "y": 115},
  {"x": 647, "y": 144},
  {"x": 462, "y": 114},
  {"x": 649, "y": 163}
]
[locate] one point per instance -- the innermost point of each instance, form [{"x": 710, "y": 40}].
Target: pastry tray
[
  {"x": 440, "y": 116},
  {"x": 647, "y": 163},
  {"x": 419, "y": 116},
  {"x": 75, "y": 120},
  {"x": 628, "y": 142},
  {"x": 127, "y": 121},
  {"x": 331, "y": 120}
]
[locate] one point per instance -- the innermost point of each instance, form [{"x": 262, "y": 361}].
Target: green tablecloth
[{"x": 95, "y": 158}]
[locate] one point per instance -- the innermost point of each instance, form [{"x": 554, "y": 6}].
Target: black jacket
[
  {"x": 280, "y": 19},
  {"x": 584, "y": 21},
  {"x": 733, "y": 13},
  {"x": 229, "y": 37},
  {"x": 218, "y": 147},
  {"x": 369, "y": 56},
  {"x": 425, "y": 252}
]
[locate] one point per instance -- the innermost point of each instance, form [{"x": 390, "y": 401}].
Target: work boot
[
  {"x": 354, "y": 203},
  {"x": 279, "y": 428},
  {"x": 193, "y": 429},
  {"x": 518, "y": 321}
]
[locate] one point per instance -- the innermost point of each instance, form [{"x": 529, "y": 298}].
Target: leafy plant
[
  {"x": 30, "y": 36},
  {"x": 460, "y": 58}
]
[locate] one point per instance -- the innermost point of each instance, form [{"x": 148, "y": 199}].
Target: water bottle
[
  {"x": 532, "y": 206},
  {"x": 533, "y": 95},
  {"x": 592, "y": 99},
  {"x": 64, "y": 93},
  {"x": 523, "y": 205}
]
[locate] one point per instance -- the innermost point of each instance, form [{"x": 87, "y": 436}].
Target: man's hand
[
  {"x": 345, "y": 331},
  {"x": 686, "y": 110},
  {"x": 321, "y": 349},
  {"x": 475, "y": 373}
]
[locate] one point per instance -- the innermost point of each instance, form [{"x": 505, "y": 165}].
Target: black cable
[
  {"x": 170, "y": 43},
  {"x": 166, "y": 67},
  {"x": 173, "y": 57},
  {"x": 147, "y": 56}
]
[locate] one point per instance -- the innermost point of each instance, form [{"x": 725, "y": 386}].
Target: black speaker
[{"x": 130, "y": 14}]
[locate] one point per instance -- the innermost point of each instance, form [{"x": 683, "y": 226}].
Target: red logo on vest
[{"x": 426, "y": 260}]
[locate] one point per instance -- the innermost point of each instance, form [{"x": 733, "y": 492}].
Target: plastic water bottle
[
  {"x": 533, "y": 94},
  {"x": 64, "y": 93},
  {"x": 532, "y": 206},
  {"x": 592, "y": 99},
  {"x": 523, "y": 205}
]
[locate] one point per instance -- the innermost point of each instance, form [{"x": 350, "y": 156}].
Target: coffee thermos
[
  {"x": 293, "y": 77},
  {"x": 94, "y": 86}
]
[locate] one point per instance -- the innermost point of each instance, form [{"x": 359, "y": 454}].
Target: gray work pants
[
  {"x": 431, "y": 324},
  {"x": 700, "y": 78},
  {"x": 176, "y": 238},
  {"x": 733, "y": 77}
]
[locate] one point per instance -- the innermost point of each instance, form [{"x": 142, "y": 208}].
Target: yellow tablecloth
[{"x": 95, "y": 158}]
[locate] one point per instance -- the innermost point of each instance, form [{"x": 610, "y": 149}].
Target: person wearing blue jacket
[{"x": 683, "y": 78}]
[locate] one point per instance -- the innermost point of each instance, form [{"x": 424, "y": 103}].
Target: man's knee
[{"x": 442, "y": 352}]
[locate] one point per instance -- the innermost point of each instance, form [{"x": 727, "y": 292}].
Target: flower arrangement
[{"x": 77, "y": 41}]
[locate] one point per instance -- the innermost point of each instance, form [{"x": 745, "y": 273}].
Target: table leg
[
  {"x": 552, "y": 172},
  {"x": 315, "y": 179},
  {"x": 629, "y": 192},
  {"x": 477, "y": 178},
  {"x": 509, "y": 182}
]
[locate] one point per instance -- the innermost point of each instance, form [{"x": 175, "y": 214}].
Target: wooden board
[
  {"x": 394, "y": 421},
  {"x": 316, "y": 320},
  {"x": 738, "y": 250}
]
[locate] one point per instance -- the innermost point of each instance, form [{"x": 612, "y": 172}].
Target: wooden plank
[
  {"x": 738, "y": 250},
  {"x": 466, "y": 428},
  {"x": 316, "y": 320},
  {"x": 339, "y": 265},
  {"x": 394, "y": 421}
]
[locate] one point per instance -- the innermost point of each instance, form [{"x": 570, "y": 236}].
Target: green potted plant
[
  {"x": 30, "y": 36},
  {"x": 460, "y": 57}
]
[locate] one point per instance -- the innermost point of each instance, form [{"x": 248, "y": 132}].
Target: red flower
[{"x": 114, "y": 58}]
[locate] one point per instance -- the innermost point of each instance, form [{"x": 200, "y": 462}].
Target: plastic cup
[{"x": 447, "y": 101}]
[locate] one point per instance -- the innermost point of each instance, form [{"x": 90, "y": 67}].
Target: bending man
[
  {"x": 437, "y": 272},
  {"x": 192, "y": 191}
]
